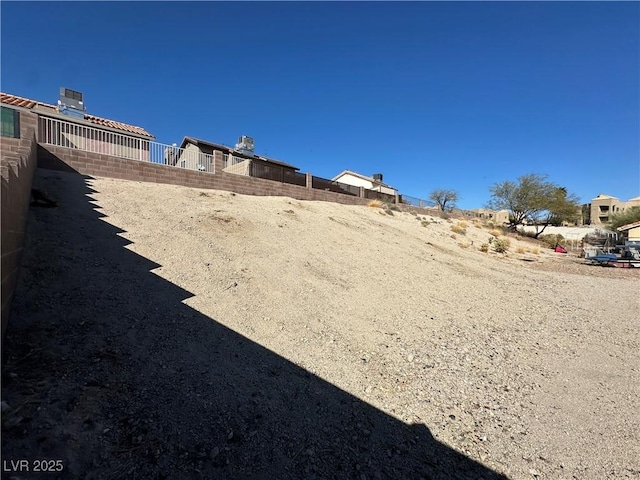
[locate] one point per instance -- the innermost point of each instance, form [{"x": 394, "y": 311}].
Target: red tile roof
[
  {"x": 628, "y": 226},
  {"x": 16, "y": 101}
]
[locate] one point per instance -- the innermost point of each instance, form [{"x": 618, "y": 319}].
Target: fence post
[
  {"x": 217, "y": 161},
  {"x": 309, "y": 180},
  {"x": 396, "y": 199},
  {"x": 361, "y": 192}
]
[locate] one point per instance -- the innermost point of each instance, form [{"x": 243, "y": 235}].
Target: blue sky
[{"x": 433, "y": 95}]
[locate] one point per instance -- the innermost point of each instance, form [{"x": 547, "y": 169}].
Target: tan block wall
[
  {"x": 87, "y": 163},
  {"x": 18, "y": 159}
]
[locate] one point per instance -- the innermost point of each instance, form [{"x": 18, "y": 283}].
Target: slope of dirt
[{"x": 168, "y": 332}]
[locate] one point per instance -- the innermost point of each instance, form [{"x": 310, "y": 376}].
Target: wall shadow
[{"x": 111, "y": 373}]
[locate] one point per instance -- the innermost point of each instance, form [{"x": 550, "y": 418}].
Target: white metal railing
[{"x": 52, "y": 131}]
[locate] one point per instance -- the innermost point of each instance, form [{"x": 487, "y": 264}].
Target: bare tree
[{"x": 445, "y": 199}]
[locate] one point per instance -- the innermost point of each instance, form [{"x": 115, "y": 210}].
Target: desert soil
[{"x": 168, "y": 332}]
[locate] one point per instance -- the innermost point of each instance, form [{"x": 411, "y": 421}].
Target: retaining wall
[{"x": 18, "y": 160}]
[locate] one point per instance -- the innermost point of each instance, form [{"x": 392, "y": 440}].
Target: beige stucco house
[
  {"x": 499, "y": 217},
  {"x": 236, "y": 161},
  {"x": 603, "y": 207},
  {"x": 631, "y": 232},
  {"x": 82, "y": 131},
  {"x": 370, "y": 183}
]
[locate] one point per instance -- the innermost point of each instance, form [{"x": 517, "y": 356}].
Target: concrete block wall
[
  {"x": 88, "y": 163},
  {"x": 18, "y": 160}
]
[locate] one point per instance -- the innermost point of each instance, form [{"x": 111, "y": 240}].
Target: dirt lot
[{"x": 166, "y": 332}]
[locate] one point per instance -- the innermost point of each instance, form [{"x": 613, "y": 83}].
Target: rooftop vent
[
  {"x": 377, "y": 177},
  {"x": 71, "y": 103},
  {"x": 245, "y": 144}
]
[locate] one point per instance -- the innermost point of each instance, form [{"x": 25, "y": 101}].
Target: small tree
[
  {"x": 559, "y": 206},
  {"x": 626, "y": 217},
  {"x": 534, "y": 200},
  {"x": 445, "y": 199}
]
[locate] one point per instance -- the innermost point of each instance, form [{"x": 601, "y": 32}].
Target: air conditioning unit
[
  {"x": 245, "y": 144},
  {"x": 71, "y": 103}
]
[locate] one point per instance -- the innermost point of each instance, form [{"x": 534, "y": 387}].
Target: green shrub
[
  {"x": 484, "y": 247},
  {"x": 501, "y": 245}
]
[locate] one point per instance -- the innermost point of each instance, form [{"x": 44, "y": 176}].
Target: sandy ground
[{"x": 168, "y": 332}]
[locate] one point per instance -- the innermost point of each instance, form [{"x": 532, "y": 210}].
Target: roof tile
[{"x": 16, "y": 101}]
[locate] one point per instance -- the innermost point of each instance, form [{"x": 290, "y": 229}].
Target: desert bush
[
  {"x": 520, "y": 250},
  {"x": 458, "y": 229},
  {"x": 374, "y": 204},
  {"x": 496, "y": 232},
  {"x": 424, "y": 223},
  {"x": 501, "y": 245},
  {"x": 463, "y": 245},
  {"x": 462, "y": 224},
  {"x": 484, "y": 247},
  {"x": 551, "y": 240},
  {"x": 535, "y": 250}
]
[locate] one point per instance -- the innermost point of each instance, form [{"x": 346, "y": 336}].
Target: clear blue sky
[{"x": 432, "y": 95}]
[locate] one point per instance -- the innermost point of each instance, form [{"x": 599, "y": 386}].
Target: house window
[{"x": 10, "y": 123}]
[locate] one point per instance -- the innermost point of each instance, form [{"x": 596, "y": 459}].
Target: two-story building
[{"x": 602, "y": 207}]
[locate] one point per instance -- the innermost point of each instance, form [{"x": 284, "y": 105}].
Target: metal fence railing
[
  {"x": 52, "y": 131},
  {"x": 332, "y": 186},
  {"x": 416, "y": 202},
  {"x": 375, "y": 195},
  {"x": 277, "y": 173}
]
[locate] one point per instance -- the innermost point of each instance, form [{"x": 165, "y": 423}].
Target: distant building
[
  {"x": 239, "y": 160},
  {"x": 602, "y": 207},
  {"x": 498, "y": 217},
  {"x": 369, "y": 183},
  {"x": 630, "y": 232}
]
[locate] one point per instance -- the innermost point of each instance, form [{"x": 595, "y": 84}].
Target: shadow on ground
[{"x": 109, "y": 372}]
